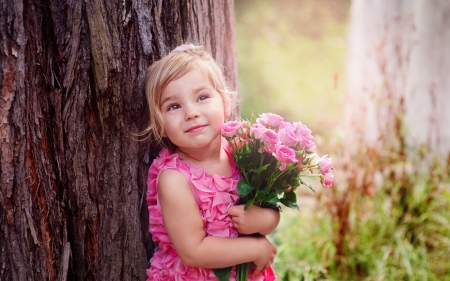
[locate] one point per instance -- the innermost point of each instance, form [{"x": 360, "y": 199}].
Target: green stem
[
  {"x": 274, "y": 179},
  {"x": 313, "y": 166},
  {"x": 311, "y": 175},
  {"x": 242, "y": 271},
  {"x": 261, "y": 160},
  {"x": 244, "y": 173}
]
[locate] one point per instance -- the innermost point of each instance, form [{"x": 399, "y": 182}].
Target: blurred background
[
  {"x": 291, "y": 57},
  {"x": 369, "y": 78}
]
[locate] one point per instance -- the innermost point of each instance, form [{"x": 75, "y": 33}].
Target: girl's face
[{"x": 192, "y": 111}]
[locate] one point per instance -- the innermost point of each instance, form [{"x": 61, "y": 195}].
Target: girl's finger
[
  {"x": 235, "y": 210},
  {"x": 257, "y": 270}
]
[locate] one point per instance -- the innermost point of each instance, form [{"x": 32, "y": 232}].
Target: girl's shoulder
[{"x": 165, "y": 159}]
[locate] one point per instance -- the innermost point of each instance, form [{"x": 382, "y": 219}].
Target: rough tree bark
[
  {"x": 72, "y": 201},
  {"x": 397, "y": 71}
]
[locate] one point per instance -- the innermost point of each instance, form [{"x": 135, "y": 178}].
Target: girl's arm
[
  {"x": 254, "y": 220},
  {"x": 184, "y": 226}
]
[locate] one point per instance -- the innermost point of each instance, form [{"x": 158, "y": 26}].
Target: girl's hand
[
  {"x": 254, "y": 220},
  {"x": 266, "y": 255}
]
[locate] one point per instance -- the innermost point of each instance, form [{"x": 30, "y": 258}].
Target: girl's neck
[{"x": 213, "y": 158}]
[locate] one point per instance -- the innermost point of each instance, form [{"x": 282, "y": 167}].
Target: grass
[{"x": 402, "y": 232}]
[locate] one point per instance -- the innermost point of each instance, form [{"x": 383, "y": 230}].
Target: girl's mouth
[{"x": 195, "y": 129}]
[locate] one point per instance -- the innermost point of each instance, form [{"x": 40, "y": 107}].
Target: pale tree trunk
[
  {"x": 72, "y": 201},
  {"x": 397, "y": 104},
  {"x": 398, "y": 73}
]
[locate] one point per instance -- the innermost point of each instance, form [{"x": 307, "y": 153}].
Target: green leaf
[
  {"x": 294, "y": 182},
  {"x": 309, "y": 185},
  {"x": 289, "y": 204},
  {"x": 290, "y": 195},
  {"x": 272, "y": 198},
  {"x": 249, "y": 203},
  {"x": 262, "y": 194},
  {"x": 223, "y": 274},
  {"x": 279, "y": 189},
  {"x": 255, "y": 180},
  {"x": 243, "y": 188},
  {"x": 290, "y": 200}
]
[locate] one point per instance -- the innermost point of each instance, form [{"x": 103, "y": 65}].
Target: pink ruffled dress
[{"x": 214, "y": 195}]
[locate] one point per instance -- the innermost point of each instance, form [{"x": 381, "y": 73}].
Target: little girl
[{"x": 192, "y": 193}]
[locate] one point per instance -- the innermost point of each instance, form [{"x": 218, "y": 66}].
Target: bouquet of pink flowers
[{"x": 274, "y": 156}]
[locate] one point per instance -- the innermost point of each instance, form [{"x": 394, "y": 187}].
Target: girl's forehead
[{"x": 189, "y": 81}]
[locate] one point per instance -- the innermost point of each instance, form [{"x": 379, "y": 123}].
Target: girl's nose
[{"x": 192, "y": 113}]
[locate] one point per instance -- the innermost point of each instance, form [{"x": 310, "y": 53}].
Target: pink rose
[
  {"x": 269, "y": 120},
  {"x": 256, "y": 130},
  {"x": 229, "y": 129},
  {"x": 312, "y": 148},
  {"x": 270, "y": 140},
  {"x": 325, "y": 165},
  {"x": 285, "y": 155},
  {"x": 287, "y": 134},
  {"x": 304, "y": 135},
  {"x": 327, "y": 180}
]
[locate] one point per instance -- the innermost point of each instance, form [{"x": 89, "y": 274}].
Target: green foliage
[
  {"x": 401, "y": 233},
  {"x": 304, "y": 246}
]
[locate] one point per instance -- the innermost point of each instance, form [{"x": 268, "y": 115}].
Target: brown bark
[{"x": 72, "y": 201}]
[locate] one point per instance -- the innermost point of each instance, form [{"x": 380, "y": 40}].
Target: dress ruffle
[{"x": 214, "y": 195}]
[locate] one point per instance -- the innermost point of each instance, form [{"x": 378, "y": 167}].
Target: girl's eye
[
  {"x": 173, "y": 107},
  {"x": 202, "y": 97}
]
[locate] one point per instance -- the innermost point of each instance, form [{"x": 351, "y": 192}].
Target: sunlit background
[
  {"x": 291, "y": 57},
  {"x": 387, "y": 215}
]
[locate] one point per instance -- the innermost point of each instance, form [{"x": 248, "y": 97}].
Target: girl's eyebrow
[
  {"x": 165, "y": 100},
  {"x": 196, "y": 90}
]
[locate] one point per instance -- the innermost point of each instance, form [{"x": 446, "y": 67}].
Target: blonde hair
[{"x": 171, "y": 67}]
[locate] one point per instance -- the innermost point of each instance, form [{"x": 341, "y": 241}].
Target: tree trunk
[
  {"x": 398, "y": 65},
  {"x": 73, "y": 180}
]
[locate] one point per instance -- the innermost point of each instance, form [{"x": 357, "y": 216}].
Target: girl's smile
[{"x": 195, "y": 129}]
